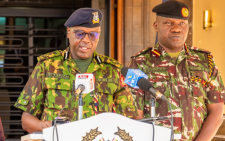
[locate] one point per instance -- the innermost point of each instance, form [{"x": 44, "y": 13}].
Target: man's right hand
[
  {"x": 46, "y": 124},
  {"x": 32, "y": 124},
  {"x": 140, "y": 115}
]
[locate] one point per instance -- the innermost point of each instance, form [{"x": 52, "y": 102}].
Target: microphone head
[
  {"x": 124, "y": 71},
  {"x": 82, "y": 87},
  {"x": 144, "y": 84}
]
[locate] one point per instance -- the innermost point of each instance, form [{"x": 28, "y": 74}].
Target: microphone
[
  {"x": 137, "y": 79},
  {"x": 86, "y": 79},
  {"x": 146, "y": 85},
  {"x": 132, "y": 76},
  {"x": 79, "y": 89}
]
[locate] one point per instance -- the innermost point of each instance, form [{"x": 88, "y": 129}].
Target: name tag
[
  {"x": 198, "y": 69},
  {"x": 109, "y": 80},
  {"x": 62, "y": 76},
  {"x": 157, "y": 69}
]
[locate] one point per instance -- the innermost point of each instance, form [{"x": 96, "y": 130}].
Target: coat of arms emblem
[{"x": 95, "y": 18}]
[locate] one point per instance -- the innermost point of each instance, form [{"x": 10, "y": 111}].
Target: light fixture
[{"x": 207, "y": 20}]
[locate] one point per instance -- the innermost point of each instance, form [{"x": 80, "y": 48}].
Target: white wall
[{"x": 213, "y": 39}]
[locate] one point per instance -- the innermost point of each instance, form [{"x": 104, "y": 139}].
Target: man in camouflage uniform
[
  {"x": 186, "y": 75},
  {"x": 51, "y": 85}
]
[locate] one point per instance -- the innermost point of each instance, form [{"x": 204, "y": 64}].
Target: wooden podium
[{"x": 108, "y": 127}]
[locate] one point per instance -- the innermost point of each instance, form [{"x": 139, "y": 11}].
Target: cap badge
[
  {"x": 185, "y": 12},
  {"x": 95, "y": 18}
]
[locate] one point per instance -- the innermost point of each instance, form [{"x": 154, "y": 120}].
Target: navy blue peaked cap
[
  {"x": 85, "y": 17},
  {"x": 172, "y": 9}
]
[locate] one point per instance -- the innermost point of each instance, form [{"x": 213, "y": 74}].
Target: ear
[
  {"x": 155, "y": 25},
  {"x": 68, "y": 32}
]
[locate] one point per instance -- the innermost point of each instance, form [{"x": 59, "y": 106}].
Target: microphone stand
[
  {"x": 80, "y": 111},
  {"x": 152, "y": 103}
]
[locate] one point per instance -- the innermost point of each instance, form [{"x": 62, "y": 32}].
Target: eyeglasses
[{"x": 80, "y": 34}]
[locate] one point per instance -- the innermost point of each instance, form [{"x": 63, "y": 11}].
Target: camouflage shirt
[
  {"x": 190, "y": 82},
  {"x": 51, "y": 86}
]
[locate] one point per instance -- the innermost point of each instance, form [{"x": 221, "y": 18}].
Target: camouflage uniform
[
  {"x": 51, "y": 85},
  {"x": 189, "y": 82}
]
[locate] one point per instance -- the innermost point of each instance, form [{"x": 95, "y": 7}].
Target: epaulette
[
  {"x": 209, "y": 57},
  {"x": 142, "y": 52},
  {"x": 49, "y": 55},
  {"x": 198, "y": 49},
  {"x": 108, "y": 60}
]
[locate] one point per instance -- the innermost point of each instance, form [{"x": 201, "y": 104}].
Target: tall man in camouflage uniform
[
  {"x": 51, "y": 84},
  {"x": 186, "y": 75}
]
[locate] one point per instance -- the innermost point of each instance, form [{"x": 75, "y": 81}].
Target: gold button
[
  {"x": 215, "y": 97},
  {"x": 221, "y": 96}
]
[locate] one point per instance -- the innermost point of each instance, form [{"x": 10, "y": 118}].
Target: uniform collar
[{"x": 95, "y": 64}]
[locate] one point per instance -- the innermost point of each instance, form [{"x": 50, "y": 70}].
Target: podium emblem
[
  {"x": 94, "y": 133},
  {"x": 123, "y": 135}
]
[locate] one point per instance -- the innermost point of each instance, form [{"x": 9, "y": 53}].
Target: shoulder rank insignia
[
  {"x": 156, "y": 52},
  {"x": 98, "y": 59},
  {"x": 66, "y": 55}
]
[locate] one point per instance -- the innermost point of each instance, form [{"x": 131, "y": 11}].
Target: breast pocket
[
  {"x": 58, "y": 93},
  {"x": 105, "y": 93},
  {"x": 198, "y": 82}
]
